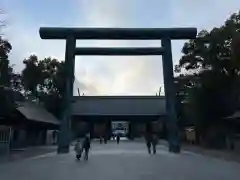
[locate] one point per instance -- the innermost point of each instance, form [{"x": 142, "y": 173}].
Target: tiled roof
[{"x": 36, "y": 112}]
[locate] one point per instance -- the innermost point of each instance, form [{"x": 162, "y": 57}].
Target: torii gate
[{"x": 163, "y": 34}]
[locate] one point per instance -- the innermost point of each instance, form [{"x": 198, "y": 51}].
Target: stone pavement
[
  {"x": 128, "y": 161},
  {"x": 21, "y": 154},
  {"x": 220, "y": 154}
]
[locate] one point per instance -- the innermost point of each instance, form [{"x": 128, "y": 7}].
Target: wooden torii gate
[{"x": 163, "y": 34}]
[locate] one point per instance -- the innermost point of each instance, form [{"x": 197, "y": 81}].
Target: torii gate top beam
[{"x": 118, "y": 33}]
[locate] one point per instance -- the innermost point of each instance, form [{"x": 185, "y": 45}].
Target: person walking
[
  {"x": 118, "y": 138},
  {"x": 86, "y": 146},
  {"x": 148, "y": 136},
  {"x": 78, "y": 150},
  {"x": 148, "y": 142},
  {"x": 154, "y": 142},
  {"x": 105, "y": 139},
  {"x": 151, "y": 142}
]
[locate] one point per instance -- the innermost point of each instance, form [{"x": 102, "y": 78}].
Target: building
[
  {"x": 95, "y": 113},
  {"x": 27, "y": 125}
]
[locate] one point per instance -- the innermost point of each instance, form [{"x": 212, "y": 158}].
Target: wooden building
[{"x": 28, "y": 124}]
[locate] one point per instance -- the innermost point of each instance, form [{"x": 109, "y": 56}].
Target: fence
[{"x": 5, "y": 136}]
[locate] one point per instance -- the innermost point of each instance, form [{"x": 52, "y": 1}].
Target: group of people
[
  {"x": 83, "y": 147},
  {"x": 105, "y": 138},
  {"x": 80, "y": 148}
]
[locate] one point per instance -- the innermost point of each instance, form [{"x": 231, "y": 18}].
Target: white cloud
[
  {"x": 26, "y": 41},
  {"x": 117, "y": 75}
]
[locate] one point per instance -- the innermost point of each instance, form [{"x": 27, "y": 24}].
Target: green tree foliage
[
  {"x": 32, "y": 76},
  {"x": 44, "y": 79},
  {"x": 53, "y": 87},
  {"x": 5, "y": 69},
  {"x": 211, "y": 67},
  {"x": 6, "y": 100}
]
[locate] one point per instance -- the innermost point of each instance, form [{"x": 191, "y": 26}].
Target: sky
[{"x": 101, "y": 75}]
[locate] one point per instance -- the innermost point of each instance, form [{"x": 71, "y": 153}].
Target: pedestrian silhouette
[
  {"x": 78, "y": 150},
  {"x": 118, "y": 138},
  {"x": 86, "y": 146}
]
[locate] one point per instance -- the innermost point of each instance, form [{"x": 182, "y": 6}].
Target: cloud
[
  {"x": 143, "y": 75},
  {"x": 83, "y": 88},
  {"x": 26, "y": 42},
  {"x": 95, "y": 75},
  {"x": 202, "y": 14},
  {"x": 118, "y": 75},
  {"x": 110, "y": 75}
]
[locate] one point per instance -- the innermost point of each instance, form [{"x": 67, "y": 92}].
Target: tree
[
  {"x": 54, "y": 75},
  {"x": 6, "y": 100},
  {"x": 212, "y": 50},
  {"x": 16, "y": 82},
  {"x": 5, "y": 69},
  {"x": 212, "y": 61},
  {"x": 44, "y": 80},
  {"x": 32, "y": 76}
]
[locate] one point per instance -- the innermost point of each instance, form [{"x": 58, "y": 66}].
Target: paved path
[
  {"x": 220, "y": 154},
  {"x": 21, "y": 154},
  {"x": 128, "y": 161}
]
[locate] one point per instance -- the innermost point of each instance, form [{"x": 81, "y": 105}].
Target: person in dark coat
[
  {"x": 118, "y": 138},
  {"x": 86, "y": 146},
  {"x": 154, "y": 142},
  {"x": 105, "y": 139},
  {"x": 148, "y": 139},
  {"x": 148, "y": 136}
]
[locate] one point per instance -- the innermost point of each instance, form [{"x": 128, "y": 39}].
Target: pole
[
  {"x": 65, "y": 127},
  {"x": 173, "y": 135}
]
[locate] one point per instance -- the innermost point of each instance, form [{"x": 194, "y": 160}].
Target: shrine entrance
[{"x": 163, "y": 34}]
